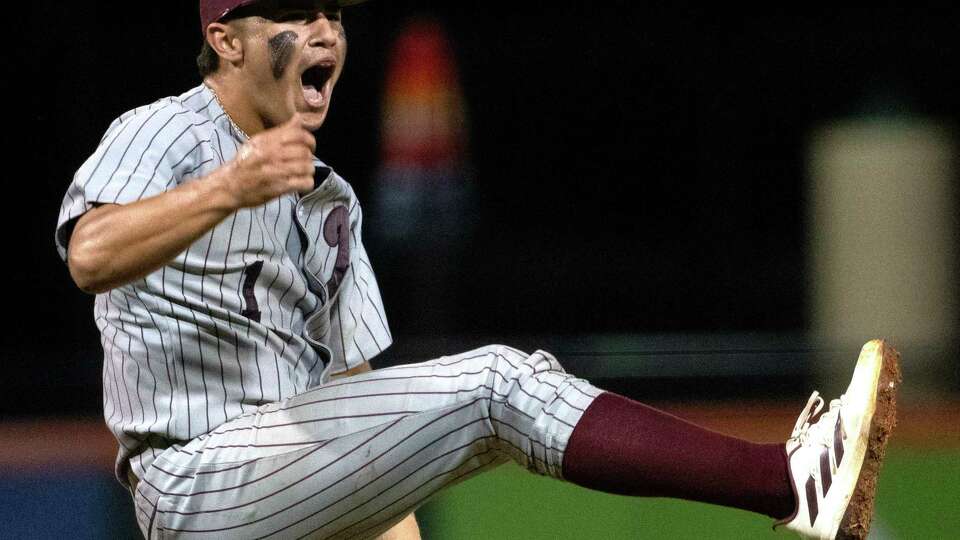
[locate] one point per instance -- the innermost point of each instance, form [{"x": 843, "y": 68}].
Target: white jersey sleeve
[
  {"x": 144, "y": 152},
  {"x": 359, "y": 329}
]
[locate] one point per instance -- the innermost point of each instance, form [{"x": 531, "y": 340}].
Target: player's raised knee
[
  {"x": 542, "y": 361},
  {"x": 513, "y": 358},
  {"x": 504, "y": 353}
]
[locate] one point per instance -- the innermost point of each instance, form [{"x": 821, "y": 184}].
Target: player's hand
[{"x": 272, "y": 163}]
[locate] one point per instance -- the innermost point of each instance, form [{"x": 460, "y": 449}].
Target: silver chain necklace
[{"x": 230, "y": 118}]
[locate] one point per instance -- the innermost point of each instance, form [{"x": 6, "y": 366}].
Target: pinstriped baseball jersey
[{"x": 263, "y": 307}]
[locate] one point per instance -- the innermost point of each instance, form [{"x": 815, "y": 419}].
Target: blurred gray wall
[{"x": 883, "y": 224}]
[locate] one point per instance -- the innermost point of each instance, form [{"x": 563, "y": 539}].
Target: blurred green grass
[{"x": 919, "y": 497}]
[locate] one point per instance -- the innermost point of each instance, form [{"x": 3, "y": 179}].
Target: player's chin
[
  {"x": 313, "y": 119},
  {"x": 313, "y": 116}
]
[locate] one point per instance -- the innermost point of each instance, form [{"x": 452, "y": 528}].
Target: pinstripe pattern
[
  {"x": 352, "y": 457},
  {"x": 217, "y": 366},
  {"x": 182, "y": 355}
]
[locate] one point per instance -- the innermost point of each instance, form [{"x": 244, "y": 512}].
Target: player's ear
[{"x": 225, "y": 40}]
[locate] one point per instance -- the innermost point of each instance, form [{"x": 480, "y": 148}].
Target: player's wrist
[{"x": 218, "y": 191}]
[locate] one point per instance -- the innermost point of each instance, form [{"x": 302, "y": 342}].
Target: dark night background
[{"x": 638, "y": 167}]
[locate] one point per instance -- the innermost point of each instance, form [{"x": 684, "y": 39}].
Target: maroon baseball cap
[{"x": 214, "y": 10}]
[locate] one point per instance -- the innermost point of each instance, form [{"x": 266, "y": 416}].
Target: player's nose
[{"x": 324, "y": 31}]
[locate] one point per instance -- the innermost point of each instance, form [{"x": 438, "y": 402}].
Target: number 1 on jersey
[{"x": 251, "y": 274}]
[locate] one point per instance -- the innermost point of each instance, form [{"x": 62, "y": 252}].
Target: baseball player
[{"x": 238, "y": 313}]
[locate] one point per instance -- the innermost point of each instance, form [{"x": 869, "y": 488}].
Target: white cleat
[{"x": 834, "y": 462}]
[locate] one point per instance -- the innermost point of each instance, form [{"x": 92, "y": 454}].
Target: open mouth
[{"x": 314, "y": 81}]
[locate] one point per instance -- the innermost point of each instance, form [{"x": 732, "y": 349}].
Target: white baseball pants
[{"x": 353, "y": 457}]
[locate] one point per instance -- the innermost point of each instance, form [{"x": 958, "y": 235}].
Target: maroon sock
[{"x": 625, "y": 447}]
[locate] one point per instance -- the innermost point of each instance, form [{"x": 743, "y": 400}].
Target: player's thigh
[
  {"x": 353, "y": 486},
  {"x": 402, "y": 432},
  {"x": 342, "y": 407}
]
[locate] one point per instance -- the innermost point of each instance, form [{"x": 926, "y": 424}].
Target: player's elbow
[
  {"x": 92, "y": 263},
  {"x": 85, "y": 270},
  {"x": 87, "y": 266}
]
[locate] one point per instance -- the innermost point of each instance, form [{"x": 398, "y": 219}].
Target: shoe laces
[{"x": 806, "y": 433}]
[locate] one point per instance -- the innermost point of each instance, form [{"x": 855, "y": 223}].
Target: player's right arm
[{"x": 114, "y": 244}]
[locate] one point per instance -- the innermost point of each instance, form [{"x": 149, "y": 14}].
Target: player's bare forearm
[
  {"x": 115, "y": 244},
  {"x": 405, "y": 530}
]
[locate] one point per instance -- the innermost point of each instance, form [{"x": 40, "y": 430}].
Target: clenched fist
[{"x": 272, "y": 163}]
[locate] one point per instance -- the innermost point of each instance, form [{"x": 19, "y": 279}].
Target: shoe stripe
[
  {"x": 811, "y": 488},
  {"x": 838, "y": 437},
  {"x": 826, "y": 476}
]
